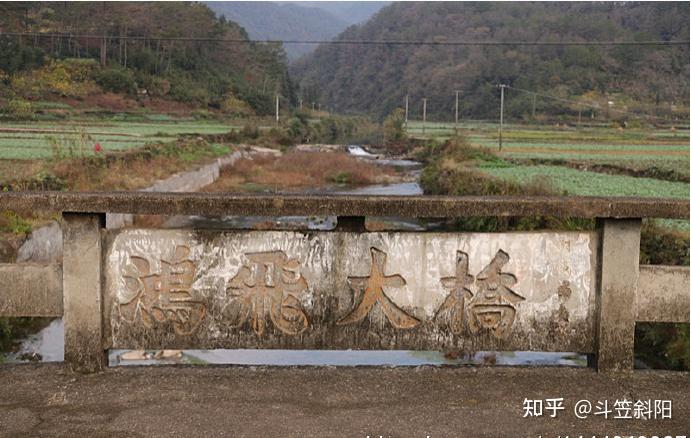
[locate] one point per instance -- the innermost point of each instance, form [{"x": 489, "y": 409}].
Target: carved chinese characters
[
  {"x": 269, "y": 294},
  {"x": 267, "y": 289},
  {"x": 163, "y": 297},
  {"x": 491, "y": 307},
  {"x": 372, "y": 289},
  {"x": 313, "y": 290},
  {"x": 494, "y": 306},
  {"x": 453, "y": 306}
]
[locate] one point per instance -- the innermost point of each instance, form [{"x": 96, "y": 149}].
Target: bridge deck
[{"x": 49, "y": 400}]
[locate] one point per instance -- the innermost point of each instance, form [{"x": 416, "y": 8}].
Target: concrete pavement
[{"x": 184, "y": 401}]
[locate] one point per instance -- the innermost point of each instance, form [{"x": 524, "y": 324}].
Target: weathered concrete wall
[
  {"x": 30, "y": 289},
  {"x": 43, "y": 246},
  {"x": 663, "y": 294},
  {"x": 504, "y": 291}
]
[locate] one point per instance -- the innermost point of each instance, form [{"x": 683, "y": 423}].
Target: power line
[{"x": 349, "y": 42}]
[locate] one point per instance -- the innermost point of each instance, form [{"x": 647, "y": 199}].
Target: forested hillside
[
  {"x": 274, "y": 21},
  {"x": 117, "y": 47},
  {"x": 376, "y": 78}
]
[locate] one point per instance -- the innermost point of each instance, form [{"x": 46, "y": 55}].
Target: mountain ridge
[
  {"x": 295, "y": 20},
  {"x": 374, "y": 79}
]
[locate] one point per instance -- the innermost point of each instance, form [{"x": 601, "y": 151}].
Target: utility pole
[
  {"x": 104, "y": 51},
  {"x": 534, "y": 99},
  {"x": 406, "y": 111},
  {"x": 312, "y": 106},
  {"x": 456, "y": 118},
  {"x": 277, "y": 109},
  {"x": 501, "y": 115},
  {"x": 300, "y": 104},
  {"x": 424, "y": 114},
  {"x": 579, "y": 115}
]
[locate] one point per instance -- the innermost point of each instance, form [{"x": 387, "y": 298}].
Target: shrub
[
  {"x": 13, "y": 223},
  {"x": 662, "y": 246},
  {"x": 185, "y": 89},
  {"x": 250, "y": 131},
  {"x": 233, "y": 106},
  {"x": 68, "y": 77},
  {"x": 116, "y": 80},
  {"x": 393, "y": 127},
  {"x": 20, "y": 109},
  {"x": 298, "y": 128}
]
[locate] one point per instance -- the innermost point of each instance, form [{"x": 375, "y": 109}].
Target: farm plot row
[
  {"x": 517, "y": 132},
  {"x": 25, "y": 141},
  {"x": 579, "y": 182},
  {"x": 583, "y": 183},
  {"x": 127, "y": 128}
]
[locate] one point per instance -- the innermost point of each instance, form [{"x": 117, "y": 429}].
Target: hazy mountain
[
  {"x": 270, "y": 20},
  {"x": 295, "y": 20},
  {"x": 350, "y": 12},
  {"x": 376, "y": 78}
]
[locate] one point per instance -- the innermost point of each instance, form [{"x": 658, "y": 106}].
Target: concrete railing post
[
  {"x": 619, "y": 256},
  {"x": 82, "y": 297}
]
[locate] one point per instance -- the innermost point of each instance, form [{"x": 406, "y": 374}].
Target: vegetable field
[
  {"x": 651, "y": 151},
  {"x": 642, "y": 162},
  {"x": 41, "y": 140},
  {"x": 579, "y": 182}
]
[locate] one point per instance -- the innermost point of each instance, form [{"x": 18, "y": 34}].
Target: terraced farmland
[
  {"x": 635, "y": 149},
  {"x": 37, "y": 140}
]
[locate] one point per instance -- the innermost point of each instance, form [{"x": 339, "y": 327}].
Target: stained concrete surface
[
  {"x": 49, "y": 400},
  {"x": 225, "y": 204},
  {"x": 545, "y": 284}
]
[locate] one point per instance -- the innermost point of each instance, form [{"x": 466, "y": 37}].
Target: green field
[
  {"x": 36, "y": 140},
  {"x": 579, "y": 182},
  {"x": 583, "y": 183},
  {"x": 636, "y": 149},
  {"x": 520, "y": 132},
  {"x": 560, "y": 157}
]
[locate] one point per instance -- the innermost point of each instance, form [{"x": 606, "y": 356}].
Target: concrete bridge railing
[{"x": 347, "y": 288}]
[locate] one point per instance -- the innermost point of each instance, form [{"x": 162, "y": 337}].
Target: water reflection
[{"x": 342, "y": 358}]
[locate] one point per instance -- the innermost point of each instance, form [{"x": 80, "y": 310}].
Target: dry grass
[
  {"x": 18, "y": 170},
  {"x": 132, "y": 170},
  {"x": 298, "y": 170},
  {"x": 119, "y": 175}
]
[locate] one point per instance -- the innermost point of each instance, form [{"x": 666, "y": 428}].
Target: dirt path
[{"x": 48, "y": 400}]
